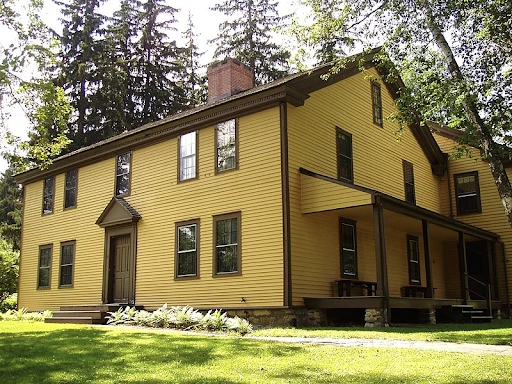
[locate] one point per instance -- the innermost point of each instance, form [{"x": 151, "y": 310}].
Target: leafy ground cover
[
  {"x": 499, "y": 332},
  {"x": 53, "y": 353}
]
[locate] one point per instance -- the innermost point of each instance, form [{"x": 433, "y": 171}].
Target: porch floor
[{"x": 394, "y": 302}]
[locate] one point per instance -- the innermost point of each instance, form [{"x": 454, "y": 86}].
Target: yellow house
[{"x": 294, "y": 202}]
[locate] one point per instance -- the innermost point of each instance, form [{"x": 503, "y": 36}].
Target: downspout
[
  {"x": 506, "y": 279},
  {"x": 285, "y": 190},
  {"x": 449, "y": 177}
]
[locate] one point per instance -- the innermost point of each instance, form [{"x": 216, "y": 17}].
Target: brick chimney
[{"x": 228, "y": 77}]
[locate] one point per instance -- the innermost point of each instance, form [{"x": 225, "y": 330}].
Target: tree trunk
[{"x": 488, "y": 145}]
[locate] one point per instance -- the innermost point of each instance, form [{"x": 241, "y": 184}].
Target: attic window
[
  {"x": 410, "y": 194},
  {"x": 376, "y": 103},
  {"x": 344, "y": 149},
  {"x": 467, "y": 191},
  {"x": 123, "y": 174}
]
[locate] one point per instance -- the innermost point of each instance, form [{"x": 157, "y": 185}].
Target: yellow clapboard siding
[
  {"x": 377, "y": 164},
  {"x": 254, "y": 190},
  {"x": 493, "y": 216},
  {"x": 261, "y": 282},
  {"x": 74, "y": 224},
  {"x": 320, "y": 195}
]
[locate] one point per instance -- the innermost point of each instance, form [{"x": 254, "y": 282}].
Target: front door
[
  {"x": 122, "y": 260},
  {"x": 478, "y": 268}
]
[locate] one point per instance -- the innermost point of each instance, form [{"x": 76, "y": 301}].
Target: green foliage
[
  {"x": 248, "y": 36},
  {"x": 179, "y": 318},
  {"x": 10, "y": 208},
  {"x": 9, "y": 303},
  {"x": 9, "y": 269},
  {"x": 23, "y": 315}
]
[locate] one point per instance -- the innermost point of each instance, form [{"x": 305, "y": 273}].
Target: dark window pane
[
  {"x": 44, "y": 277},
  {"x": 344, "y": 148},
  {"x": 227, "y": 259},
  {"x": 376, "y": 104},
  {"x": 187, "y": 263},
  {"x": 187, "y": 238},
  {"x": 70, "y": 198},
  {"x": 349, "y": 262}
]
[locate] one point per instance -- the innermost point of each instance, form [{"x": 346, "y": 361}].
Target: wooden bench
[
  {"x": 414, "y": 290},
  {"x": 344, "y": 287}
]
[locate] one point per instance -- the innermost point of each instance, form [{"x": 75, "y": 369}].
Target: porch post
[
  {"x": 463, "y": 267},
  {"x": 380, "y": 254},
  {"x": 428, "y": 260},
  {"x": 494, "y": 280}
]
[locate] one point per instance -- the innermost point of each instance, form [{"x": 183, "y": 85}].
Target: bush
[
  {"x": 10, "y": 302},
  {"x": 179, "y": 318},
  {"x": 23, "y": 315}
]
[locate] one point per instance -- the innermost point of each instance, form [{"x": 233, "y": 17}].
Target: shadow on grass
[{"x": 90, "y": 355}]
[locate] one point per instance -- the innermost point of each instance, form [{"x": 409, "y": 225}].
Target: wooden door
[{"x": 122, "y": 264}]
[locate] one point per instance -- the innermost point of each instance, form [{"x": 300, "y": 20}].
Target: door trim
[{"x": 110, "y": 233}]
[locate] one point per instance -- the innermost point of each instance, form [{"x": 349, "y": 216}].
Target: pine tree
[
  {"x": 10, "y": 208},
  {"x": 193, "y": 83},
  {"x": 118, "y": 67},
  {"x": 79, "y": 76},
  {"x": 157, "y": 68},
  {"x": 247, "y": 36}
]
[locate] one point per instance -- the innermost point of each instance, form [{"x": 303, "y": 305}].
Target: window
[
  {"x": 344, "y": 150},
  {"x": 67, "y": 256},
  {"x": 45, "y": 263},
  {"x": 187, "y": 151},
  {"x": 186, "y": 249},
  {"x": 348, "y": 248},
  {"x": 376, "y": 104},
  {"x": 413, "y": 256},
  {"x": 226, "y": 139},
  {"x": 123, "y": 174},
  {"x": 48, "y": 193},
  {"x": 227, "y": 243},
  {"x": 70, "y": 189},
  {"x": 467, "y": 191},
  {"x": 410, "y": 194}
]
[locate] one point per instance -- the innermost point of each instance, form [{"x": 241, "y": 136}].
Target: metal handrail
[{"x": 487, "y": 296}]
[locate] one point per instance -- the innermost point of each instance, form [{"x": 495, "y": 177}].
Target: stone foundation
[
  {"x": 282, "y": 317},
  {"x": 374, "y": 318}
]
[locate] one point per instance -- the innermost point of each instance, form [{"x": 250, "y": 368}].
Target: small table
[
  {"x": 345, "y": 287},
  {"x": 413, "y": 290}
]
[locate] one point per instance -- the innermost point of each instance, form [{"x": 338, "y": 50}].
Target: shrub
[
  {"x": 179, "y": 318},
  {"x": 23, "y": 315},
  {"x": 10, "y": 302}
]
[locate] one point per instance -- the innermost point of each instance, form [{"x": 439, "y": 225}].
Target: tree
[
  {"x": 26, "y": 81},
  {"x": 9, "y": 269},
  {"x": 81, "y": 52},
  {"x": 10, "y": 209},
  {"x": 247, "y": 36},
  {"x": 157, "y": 66},
  {"x": 469, "y": 84},
  {"x": 192, "y": 83},
  {"x": 118, "y": 69}
]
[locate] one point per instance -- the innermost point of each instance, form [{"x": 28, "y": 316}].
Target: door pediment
[{"x": 118, "y": 211}]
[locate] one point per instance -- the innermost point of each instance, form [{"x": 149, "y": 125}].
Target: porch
[{"x": 411, "y": 259}]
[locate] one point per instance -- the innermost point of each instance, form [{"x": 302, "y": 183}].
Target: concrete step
[
  {"x": 473, "y": 312},
  {"x": 92, "y": 314},
  {"x": 462, "y": 306},
  {"x": 481, "y": 319},
  {"x": 72, "y": 320}
]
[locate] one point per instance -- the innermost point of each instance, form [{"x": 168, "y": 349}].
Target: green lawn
[
  {"x": 499, "y": 332},
  {"x": 52, "y": 353}
]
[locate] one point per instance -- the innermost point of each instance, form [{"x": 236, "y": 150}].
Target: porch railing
[{"x": 487, "y": 297}]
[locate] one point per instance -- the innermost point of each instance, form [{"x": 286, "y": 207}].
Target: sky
[{"x": 206, "y": 23}]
